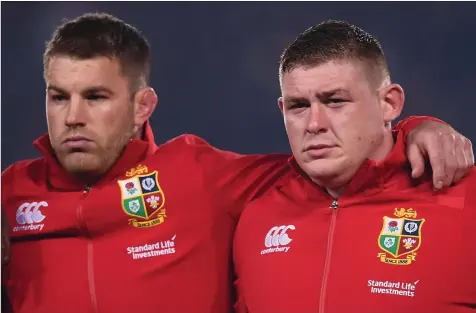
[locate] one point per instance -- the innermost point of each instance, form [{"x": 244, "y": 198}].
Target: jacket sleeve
[
  {"x": 410, "y": 123},
  {"x": 7, "y": 181},
  {"x": 233, "y": 179},
  {"x": 241, "y": 178}
]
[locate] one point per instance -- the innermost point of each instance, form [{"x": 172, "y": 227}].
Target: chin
[
  {"x": 324, "y": 170},
  {"x": 80, "y": 162},
  {"x": 330, "y": 173}
]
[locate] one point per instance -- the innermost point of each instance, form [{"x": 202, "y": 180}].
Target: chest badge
[
  {"x": 143, "y": 200},
  {"x": 400, "y": 237}
]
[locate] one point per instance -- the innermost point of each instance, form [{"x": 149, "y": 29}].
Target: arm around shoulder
[{"x": 233, "y": 178}]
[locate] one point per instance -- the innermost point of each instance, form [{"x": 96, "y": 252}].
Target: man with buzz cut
[{"x": 349, "y": 231}]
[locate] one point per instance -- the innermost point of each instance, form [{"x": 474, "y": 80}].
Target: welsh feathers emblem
[
  {"x": 143, "y": 200},
  {"x": 400, "y": 237}
]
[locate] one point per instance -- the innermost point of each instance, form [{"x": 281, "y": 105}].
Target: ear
[
  {"x": 392, "y": 99},
  {"x": 281, "y": 104},
  {"x": 145, "y": 102}
]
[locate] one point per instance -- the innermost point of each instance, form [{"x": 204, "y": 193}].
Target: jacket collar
[
  {"x": 370, "y": 178},
  {"x": 135, "y": 151}
]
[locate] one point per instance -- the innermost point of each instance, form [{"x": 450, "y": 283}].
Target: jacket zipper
[
  {"x": 330, "y": 241},
  {"x": 90, "y": 255}
]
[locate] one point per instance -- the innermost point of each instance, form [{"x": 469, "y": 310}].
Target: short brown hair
[
  {"x": 331, "y": 40},
  {"x": 100, "y": 34}
]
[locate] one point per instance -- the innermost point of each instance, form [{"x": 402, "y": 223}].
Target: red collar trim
[{"x": 135, "y": 151}]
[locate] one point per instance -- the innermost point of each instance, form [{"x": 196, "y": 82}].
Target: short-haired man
[
  {"x": 106, "y": 220},
  {"x": 350, "y": 231}
]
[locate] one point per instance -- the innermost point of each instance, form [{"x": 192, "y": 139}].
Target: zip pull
[
  {"x": 87, "y": 188},
  {"x": 334, "y": 205}
]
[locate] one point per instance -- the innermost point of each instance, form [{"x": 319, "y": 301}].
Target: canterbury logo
[
  {"x": 29, "y": 213},
  {"x": 277, "y": 236}
]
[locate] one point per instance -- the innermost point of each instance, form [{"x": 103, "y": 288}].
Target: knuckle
[
  {"x": 451, "y": 162},
  {"x": 459, "y": 142},
  {"x": 448, "y": 137},
  {"x": 469, "y": 143},
  {"x": 452, "y": 167}
]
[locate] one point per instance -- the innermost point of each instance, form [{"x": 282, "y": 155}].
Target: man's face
[
  {"x": 334, "y": 119},
  {"x": 90, "y": 113}
]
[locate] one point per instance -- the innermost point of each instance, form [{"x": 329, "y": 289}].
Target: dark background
[{"x": 215, "y": 63}]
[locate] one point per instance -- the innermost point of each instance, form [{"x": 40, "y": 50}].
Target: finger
[
  {"x": 469, "y": 153},
  {"x": 461, "y": 159},
  {"x": 416, "y": 159},
  {"x": 436, "y": 155},
  {"x": 451, "y": 165}
]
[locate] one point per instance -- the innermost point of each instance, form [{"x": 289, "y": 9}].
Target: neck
[
  {"x": 335, "y": 193},
  {"x": 87, "y": 178},
  {"x": 140, "y": 134},
  {"x": 336, "y": 185}
]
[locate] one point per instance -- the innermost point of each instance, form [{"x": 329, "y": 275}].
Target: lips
[
  {"x": 77, "y": 142},
  {"x": 76, "y": 138},
  {"x": 318, "y": 147}
]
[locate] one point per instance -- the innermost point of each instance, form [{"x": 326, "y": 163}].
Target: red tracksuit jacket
[
  {"x": 154, "y": 235},
  {"x": 386, "y": 245}
]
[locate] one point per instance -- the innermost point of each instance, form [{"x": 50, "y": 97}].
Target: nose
[
  {"x": 318, "y": 119},
  {"x": 76, "y": 115}
]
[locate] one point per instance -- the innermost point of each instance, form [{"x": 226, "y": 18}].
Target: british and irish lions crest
[
  {"x": 400, "y": 237},
  {"x": 142, "y": 198}
]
